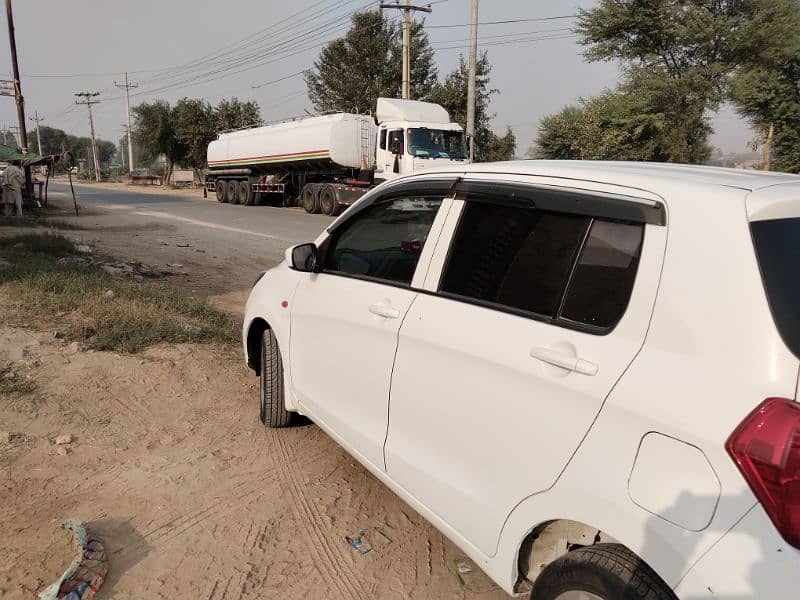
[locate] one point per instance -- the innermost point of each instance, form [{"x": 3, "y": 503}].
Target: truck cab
[{"x": 414, "y": 136}]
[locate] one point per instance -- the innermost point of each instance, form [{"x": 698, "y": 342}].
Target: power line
[
  {"x": 266, "y": 83},
  {"x": 512, "y": 42},
  {"x": 504, "y": 22}
]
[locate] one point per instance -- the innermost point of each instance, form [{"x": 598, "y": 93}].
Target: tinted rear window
[
  {"x": 513, "y": 257},
  {"x": 777, "y": 244}
]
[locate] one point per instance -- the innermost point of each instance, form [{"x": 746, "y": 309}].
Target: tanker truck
[{"x": 325, "y": 163}]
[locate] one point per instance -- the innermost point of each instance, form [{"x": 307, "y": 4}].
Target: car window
[
  {"x": 777, "y": 244},
  {"x": 385, "y": 240},
  {"x": 512, "y": 256},
  {"x": 383, "y": 139},
  {"x": 601, "y": 284}
]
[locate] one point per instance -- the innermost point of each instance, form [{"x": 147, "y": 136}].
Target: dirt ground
[{"x": 192, "y": 496}]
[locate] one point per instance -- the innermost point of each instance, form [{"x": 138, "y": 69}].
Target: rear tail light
[{"x": 766, "y": 448}]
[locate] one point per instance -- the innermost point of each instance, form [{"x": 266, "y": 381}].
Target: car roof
[{"x": 650, "y": 176}]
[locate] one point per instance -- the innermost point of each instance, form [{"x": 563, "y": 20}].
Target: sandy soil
[{"x": 192, "y": 496}]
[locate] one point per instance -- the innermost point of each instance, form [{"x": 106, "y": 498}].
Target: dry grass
[
  {"x": 12, "y": 384},
  {"x": 38, "y": 290},
  {"x": 35, "y": 221}
]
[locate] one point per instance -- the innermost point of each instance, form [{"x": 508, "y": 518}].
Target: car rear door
[
  {"x": 538, "y": 299},
  {"x": 345, "y": 319}
]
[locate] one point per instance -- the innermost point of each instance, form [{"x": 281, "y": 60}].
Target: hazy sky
[{"x": 169, "y": 47}]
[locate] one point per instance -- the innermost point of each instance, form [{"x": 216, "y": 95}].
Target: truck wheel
[
  {"x": 310, "y": 198},
  {"x": 219, "y": 188},
  {"x": 245, "y": 195},
  {"x": 327, "y": 200},
  {"x": 231, "y": 192},
  {"x": 600, "y": 572},
  {"x": 273, "y": 404}
]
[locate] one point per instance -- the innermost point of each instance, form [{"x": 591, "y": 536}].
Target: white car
[{"x": 583, "y": 373}]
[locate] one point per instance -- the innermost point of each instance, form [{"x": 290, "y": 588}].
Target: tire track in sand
[{"x": 331, "y": 561}]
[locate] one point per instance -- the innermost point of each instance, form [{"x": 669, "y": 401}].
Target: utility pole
[
  {"x": 407, "y": 8},
  {"x": 36, "y": 119},
  {"x": 768, "y": 147},
  {"x": 473, "y": 60},
  {"x": 128, "y": 87},
  {"x": 88, "y": 102},
  {"x": 23, "y": 135}
]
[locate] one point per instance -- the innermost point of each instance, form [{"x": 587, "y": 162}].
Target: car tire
[
  {"x": 232, "y": 191},
  {"x": 600, "y": 572},
  {"x": 219, "y": 189},
  {"x": 327, "y": 200},
  {"x": 245, "y": 195},
  {"x": 310, "y": 198},
  {"x": 273, "y": 404}
]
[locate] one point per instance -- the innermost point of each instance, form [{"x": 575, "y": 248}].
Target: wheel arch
[
  {"x": 549, "y": 541},
  {"x": 254, "y": 332}
]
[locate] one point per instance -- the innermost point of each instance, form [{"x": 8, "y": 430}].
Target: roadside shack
[{"x": 34, "y": 195}]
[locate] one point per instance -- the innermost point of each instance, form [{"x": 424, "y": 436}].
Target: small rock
[
  {"x": 59, "y": 335},
  {"x": 75, "y": 347},
  {"x": 5, "y": 437},
  {"x": 62, "y": 450},
  {"x": 63, "y": 439},
  {"x": 463, "y": 568},
  {"x": 183, "y": 245},
  {"x": 173, "y": 265},
  {"x": 18, "y": 245},
  {"x": 138, "y": 278},
  {"x": 10, "y": 375},
  {"x": 111, "y": 270},
  {"x": 83, "y": 249},
  {"x": 109, "y": 294},
  {"x": 190, "y": 329},
  {"x": 163, "y": 242}
]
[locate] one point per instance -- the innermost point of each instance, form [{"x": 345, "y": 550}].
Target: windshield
[
  {"x": 777, "y": 245},
  {"x": 436, "y": 143}
]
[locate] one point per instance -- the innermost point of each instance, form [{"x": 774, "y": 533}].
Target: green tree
[
  {"x": 194, "y": 123},
  {"x": 611, "y": 126},
  {"x": 154, "y": 130},
  {"x": 678, "y": 57},
  {"x": 765, "y": 87},
  {"x": 235, "y": 114},
  {"x": 352, "y": 72},
  {"x": 452, "y": 95}
]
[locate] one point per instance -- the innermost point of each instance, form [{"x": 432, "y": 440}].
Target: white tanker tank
[
  {"x": 340, "y": 139},
  {"x": 327, "y": 162}
]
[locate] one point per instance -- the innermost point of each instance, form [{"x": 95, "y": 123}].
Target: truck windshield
[
  {"x": 777, "y": 245},
  {"x": 436, "y": 143}
]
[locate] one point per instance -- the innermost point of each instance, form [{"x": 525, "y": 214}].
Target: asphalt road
[
  {"x": 221, "y": 246},
  {"x": 249, "y": 223}
]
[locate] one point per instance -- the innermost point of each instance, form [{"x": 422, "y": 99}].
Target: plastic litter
[
  {"x": 367, "y": 539},
  {"x": 86, "y": 573}
]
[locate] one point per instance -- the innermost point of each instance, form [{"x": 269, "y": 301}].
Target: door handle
[
  {"x": 384, "y": 311},
  {"x": 564, "y": 360}
]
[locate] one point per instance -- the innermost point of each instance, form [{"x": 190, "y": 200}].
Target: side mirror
[{"x": 304, "y": 258}]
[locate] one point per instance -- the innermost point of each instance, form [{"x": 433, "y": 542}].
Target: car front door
[
  {"x": 532, "y": 315},
  {"x": 345, "y": 319}
]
